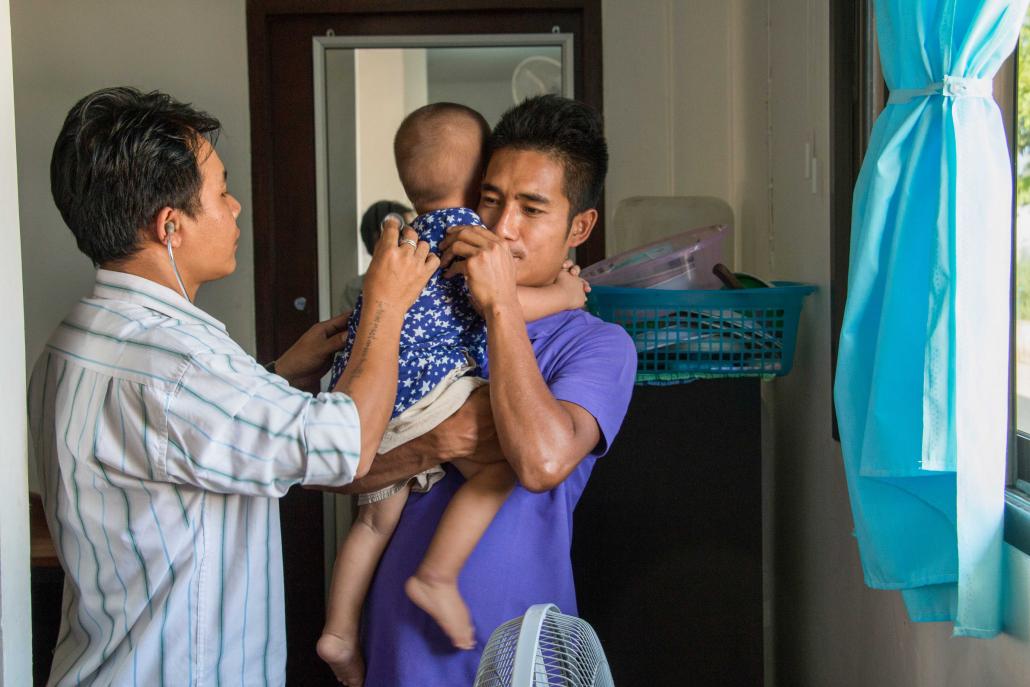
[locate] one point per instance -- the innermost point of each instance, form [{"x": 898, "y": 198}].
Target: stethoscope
[{"x": 169, "y": 230}]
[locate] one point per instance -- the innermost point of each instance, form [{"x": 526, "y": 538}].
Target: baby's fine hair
[{"x": 440, "y": 150}]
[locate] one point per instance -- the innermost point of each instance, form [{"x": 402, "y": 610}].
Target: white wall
[
  {"x": 15, "y": 643},
  {"x": 416, "y": 81},
  {"x": 684, "y": 107},
  {"x": 377, "y": 121},
  {"x": 192, "y": 49},
  {"x": 489, "y": 98}
]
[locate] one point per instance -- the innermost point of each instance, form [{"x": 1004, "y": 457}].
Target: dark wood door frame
[
  {"x": 280, "y": 69},
  {"x": 284, "y": 228}
]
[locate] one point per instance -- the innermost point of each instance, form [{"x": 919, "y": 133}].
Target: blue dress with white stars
[{"x": 442, "y": 332}]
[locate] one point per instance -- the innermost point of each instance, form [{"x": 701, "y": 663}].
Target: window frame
[
  {"x": 1017, "y": 483},
  {"x": 1019, "y": 442},
  {"x": 1019, "y": 447}
]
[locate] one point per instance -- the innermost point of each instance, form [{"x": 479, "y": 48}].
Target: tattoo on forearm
[{"x": 359, "y": 360}]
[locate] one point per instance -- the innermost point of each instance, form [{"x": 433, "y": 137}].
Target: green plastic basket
[{"x": 719, "y": 333}]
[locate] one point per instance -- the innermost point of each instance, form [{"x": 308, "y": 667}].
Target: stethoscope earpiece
[{"x": 169, "y": 230}]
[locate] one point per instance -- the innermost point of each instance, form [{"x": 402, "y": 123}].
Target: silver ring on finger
[
  {"x": 394, "y": 215},
  {"x": 409, "y": 242}
]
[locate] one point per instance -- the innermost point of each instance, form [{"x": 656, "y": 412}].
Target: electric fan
[
  {"x": 536, "y": 75},
  {"x": 544, "y": 648}
]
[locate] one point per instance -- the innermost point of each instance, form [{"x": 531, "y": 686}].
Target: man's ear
[
  {"x": 165, "y": 228},
  {"x": 582, "y": 225}
]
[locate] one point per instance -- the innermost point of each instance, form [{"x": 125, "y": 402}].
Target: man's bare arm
[
  {"x": 543, "y": 439},
  {"x": 394, "y": 279},
  {"x": 468, "y": 434}
]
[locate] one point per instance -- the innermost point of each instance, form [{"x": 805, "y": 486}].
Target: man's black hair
[
  {"x": 121, "y": 156},
  {"x": 373, "y": 219},
  {"x": 570, "y": 131}
]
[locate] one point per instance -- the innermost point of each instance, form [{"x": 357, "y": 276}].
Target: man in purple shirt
[{"x": 559, "y": 389}]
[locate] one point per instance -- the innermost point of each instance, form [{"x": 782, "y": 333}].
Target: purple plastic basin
[{"x": 683, "y": 261}]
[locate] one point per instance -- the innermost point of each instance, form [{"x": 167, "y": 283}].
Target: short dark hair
[
  {"x": 571, "y": 131},
  {"x": 121, "y": 156},
  {"x": 373, "y": 218}
]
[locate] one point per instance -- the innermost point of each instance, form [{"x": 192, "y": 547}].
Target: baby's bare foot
[
  {"x": 344, "y": 657},
  {"x": 443, "y": 602}
]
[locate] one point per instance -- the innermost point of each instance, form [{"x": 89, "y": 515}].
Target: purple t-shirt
[{"x": 524, "y": 556}]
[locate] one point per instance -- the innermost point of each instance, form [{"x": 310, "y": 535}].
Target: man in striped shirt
[{"x": 161, "y": 445}]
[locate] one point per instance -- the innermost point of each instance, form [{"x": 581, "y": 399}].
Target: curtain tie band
[{"x": 949, "y": 87}]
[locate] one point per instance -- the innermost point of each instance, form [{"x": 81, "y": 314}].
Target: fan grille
[{"x": 567, "y": 654}]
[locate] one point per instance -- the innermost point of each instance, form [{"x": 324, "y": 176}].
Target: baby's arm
[{"x": 568, "y": 292}]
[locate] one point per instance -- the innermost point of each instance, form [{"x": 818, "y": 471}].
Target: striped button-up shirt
[{"x": 161, "y": 448}]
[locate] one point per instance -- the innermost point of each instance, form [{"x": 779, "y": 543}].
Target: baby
[{"x": 440, "y": 151}]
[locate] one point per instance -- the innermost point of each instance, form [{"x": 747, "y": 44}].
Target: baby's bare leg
[
  {"x": 355, "y": 565},
  {"x": 434, "y": 587}
]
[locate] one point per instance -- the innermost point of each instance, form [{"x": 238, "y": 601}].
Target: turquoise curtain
[{"x": 922, "y": 376}]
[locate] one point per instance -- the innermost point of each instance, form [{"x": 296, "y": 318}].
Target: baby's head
[{"x": 441, "y": 152}]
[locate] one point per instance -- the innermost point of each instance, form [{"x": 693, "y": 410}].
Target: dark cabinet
[{"x": 667, "y": 548}]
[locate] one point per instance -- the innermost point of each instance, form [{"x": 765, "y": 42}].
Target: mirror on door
[{"x": 363, "y": 90}]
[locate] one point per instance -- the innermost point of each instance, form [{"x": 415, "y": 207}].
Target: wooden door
[{"x": 279, "y": 34}]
